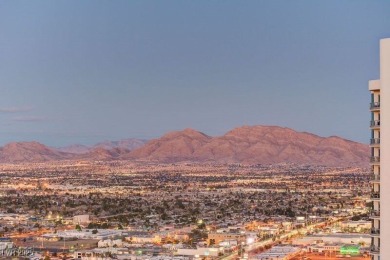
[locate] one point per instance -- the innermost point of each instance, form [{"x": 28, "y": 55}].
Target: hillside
[
  {"x": 253, "y": 145},
  {"x": 248, "y": 145}
]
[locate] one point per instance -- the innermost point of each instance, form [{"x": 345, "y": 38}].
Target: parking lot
[
  {"x": 59, "y": 245},
  {"x": 316, "y": 256}
]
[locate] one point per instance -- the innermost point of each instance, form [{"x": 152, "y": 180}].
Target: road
[{"x": 283, "y": 237}]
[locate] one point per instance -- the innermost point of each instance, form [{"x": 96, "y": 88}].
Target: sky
[{"x": 86, "y": 71}]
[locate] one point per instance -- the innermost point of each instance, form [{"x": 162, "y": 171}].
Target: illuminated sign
[{"x": 350, "y": 250}]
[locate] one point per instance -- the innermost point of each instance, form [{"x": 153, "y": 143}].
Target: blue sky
[{"x": 86, "y": 71}]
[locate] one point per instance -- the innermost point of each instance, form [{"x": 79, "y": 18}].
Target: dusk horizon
[
  {"x": 170, "y": 131},
  {"x": 75, "y": 74}
]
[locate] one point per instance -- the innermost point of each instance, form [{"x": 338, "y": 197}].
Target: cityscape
[
  {"x": 158, "y": 211},
  {"x": 192, "y": 130}
]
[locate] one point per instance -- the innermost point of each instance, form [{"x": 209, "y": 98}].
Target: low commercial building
[
  {"x": 12, "y": 219},
  {"x": 5, "y": 243},
  {"x": 144, "y": 239},
  {"x": 216, "y": 238},
  {"x": 228, "y": 243},
  {"x": 81, "y": 220},
  {"x": 99, "y": 253},
  {"x": 341, "y": 238},
  {"x": 324, "y": 248},
  {"x": 200, "y": 251},
  {"x": 99, "y": 234},
  {"x": 110, "y": 243},
  {"x": 279, "y": 253},
  {"x": 336, "y": 248},
  {"x": 356, "y": 226}
]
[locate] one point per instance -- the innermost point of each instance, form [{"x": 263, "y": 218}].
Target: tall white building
[{"x": 380, "y": 156}]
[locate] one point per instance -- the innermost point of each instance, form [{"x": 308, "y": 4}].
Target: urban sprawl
[{"x": 140, "y": 211}]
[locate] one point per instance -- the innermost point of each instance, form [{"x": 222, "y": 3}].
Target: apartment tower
[{"x": 380, "y": 156}]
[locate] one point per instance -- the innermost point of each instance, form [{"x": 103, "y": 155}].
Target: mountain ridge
[
  {"x": 128, "y": 144},
  {"x": 246, "y": 144},
  {"x": 254, "y": 145}
]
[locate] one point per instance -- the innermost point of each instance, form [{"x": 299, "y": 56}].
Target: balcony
[
  {"x": 375, "y": 159},
  {"x": 375, "y": 178},
  {"x": 375, "y": 231},
  {"x": 375, "y": 123},
  {"x": 375, "y": 195},
  {"x": 375, "y": 214},
  {"x": 375, "y": 249},
  {"x": 375, "y": 141},
  {"x": 375, "y": 105}
]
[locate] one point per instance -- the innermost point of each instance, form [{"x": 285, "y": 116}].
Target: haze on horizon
[{"x": 87, "y": 71}]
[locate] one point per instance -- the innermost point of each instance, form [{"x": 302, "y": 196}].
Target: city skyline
[{"x": 86, "y": 72}]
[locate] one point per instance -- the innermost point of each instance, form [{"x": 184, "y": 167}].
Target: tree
[
  {"x": 164, "y": 216},
  {"x": 105, "y": 225},
  {"x": 78, "y": 228},
  {"x": 202, "y": 226},
  {"x": 356, "y": 218}
]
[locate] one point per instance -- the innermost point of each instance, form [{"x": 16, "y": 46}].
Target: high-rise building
[{"x": 380, "y": 156}]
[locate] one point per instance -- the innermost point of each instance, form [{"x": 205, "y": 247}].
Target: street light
[{"x": 250, "y": 240}]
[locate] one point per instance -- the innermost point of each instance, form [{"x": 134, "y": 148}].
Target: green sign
[{"x": 350, "y": 250}]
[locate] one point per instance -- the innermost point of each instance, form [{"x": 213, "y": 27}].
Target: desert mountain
[
  {"x": 173, "y": 146},
  {"x": 127, "y": 144},
  {"x": 253, "y": 145},
  {"x": 124, "y": 144},
  {"x": 248, "y": 145},
  {"x": 102, "y": 154},
  {"x": 30, "y": 152}
]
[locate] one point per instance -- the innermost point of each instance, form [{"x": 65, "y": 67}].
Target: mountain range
[
  {"x": 126, "y": 144},
  {"x": 247, "y": 145}
]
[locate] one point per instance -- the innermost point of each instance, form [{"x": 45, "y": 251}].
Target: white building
[
  {"x": 228, "y": 243},
  {"x": 341, "y": 238},
  {"x": 323, "y": 248},
  {"x": 6, "y": 244},
  {"x": 81, "y": 220},
  {"x": 100, "y": 234},
  {"x": 110, "y": 243},
  {"x": 100, "y": 253},
  {"x": 11, "y": 219},
  {"x": 200, "y": 251},
  {"x": 358, "y": 226},
  {"x": 143, "y": 239},
  {"x": 380, "y": 155}
]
